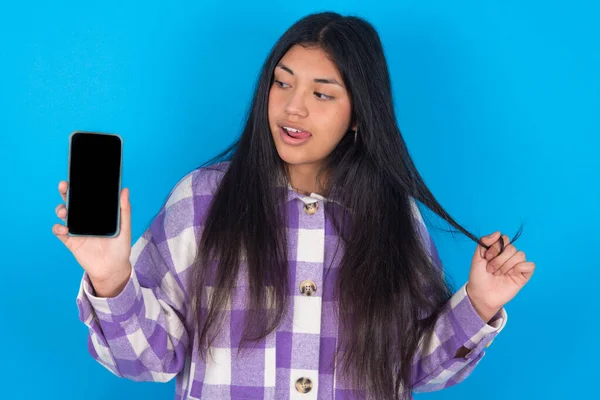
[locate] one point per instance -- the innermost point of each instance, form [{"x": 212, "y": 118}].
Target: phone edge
[{"x": 118, "y": 230}]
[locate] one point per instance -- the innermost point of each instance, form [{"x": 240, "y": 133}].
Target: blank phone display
[{"x": 94, "y": 184}]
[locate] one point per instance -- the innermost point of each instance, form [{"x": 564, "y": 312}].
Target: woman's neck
[{"x": 303, "y": 178}]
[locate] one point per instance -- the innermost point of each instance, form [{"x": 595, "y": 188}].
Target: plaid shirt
[{"x": 144, "y": 333}]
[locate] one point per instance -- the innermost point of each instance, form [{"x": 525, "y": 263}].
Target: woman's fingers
[
  {"x": 62, "y": 189},
  {"x": 523, "y": 268},
  {"x": 488, "y": 241},
  {"x": 522, "y": 272},
  {"x": 517, "y": 257},
  {"x": 494, "y": 250},
  {"x": 61, "y": 211},
  {"x": 60, "y": 231},
  {"x": 496, "y": 263}
]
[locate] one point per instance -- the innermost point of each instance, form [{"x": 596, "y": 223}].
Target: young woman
[{"x": 296, "y": 264}]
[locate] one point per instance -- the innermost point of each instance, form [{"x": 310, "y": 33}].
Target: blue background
[{"x": 498, "y": 101}]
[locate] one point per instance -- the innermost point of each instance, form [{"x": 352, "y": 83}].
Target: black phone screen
[{"x": 94, "y": 184}]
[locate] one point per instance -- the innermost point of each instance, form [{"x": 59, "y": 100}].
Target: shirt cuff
[
  {"x": 475, "y": 333},
  {"x": 115, "y": 309}
]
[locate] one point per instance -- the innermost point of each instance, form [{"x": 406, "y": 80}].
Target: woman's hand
[
  {"x": 106, "y": 260},
  {"x": 495, "y": 277}
]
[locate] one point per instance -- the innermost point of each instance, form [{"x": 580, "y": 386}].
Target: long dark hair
[{"x": 390, "y": 291}]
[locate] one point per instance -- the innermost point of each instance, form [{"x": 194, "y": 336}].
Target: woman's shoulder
[
  {"x": 202, "y": 181},
  {"x": 206, "y": 179}
]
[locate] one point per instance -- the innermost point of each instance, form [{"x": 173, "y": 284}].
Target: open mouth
[
  {"x": 295, "y": 133},
  {"x": 294, "y": 136}
]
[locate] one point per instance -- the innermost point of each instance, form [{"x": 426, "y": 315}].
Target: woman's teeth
[{"x": 295, "y": 133}]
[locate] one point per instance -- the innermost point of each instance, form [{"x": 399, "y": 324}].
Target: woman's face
[{"x": 309, "y": 96}]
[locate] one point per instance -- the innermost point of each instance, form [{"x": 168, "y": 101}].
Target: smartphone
[{"x": 93, "y": 194}]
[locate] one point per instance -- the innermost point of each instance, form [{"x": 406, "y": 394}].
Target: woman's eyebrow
[{"x": 317, "y": 80}]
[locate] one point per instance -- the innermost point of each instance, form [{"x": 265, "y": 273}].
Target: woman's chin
[
  {"x": 295, "y": 158},
  {"x": 293, "y": 155}
]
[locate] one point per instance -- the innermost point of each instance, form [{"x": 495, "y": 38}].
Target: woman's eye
[
  {"x": 281, "y": 84},
  {"x": 322, "y": 96}
]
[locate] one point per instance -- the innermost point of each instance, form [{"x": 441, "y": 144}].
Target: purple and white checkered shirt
[{"x": 144, "y": 334}]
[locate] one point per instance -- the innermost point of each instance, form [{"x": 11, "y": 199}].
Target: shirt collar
[
  {"x": 292, "y": 194},
  {"x": 306, "y": 199}
]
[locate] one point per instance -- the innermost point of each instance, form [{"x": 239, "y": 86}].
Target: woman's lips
[{"x": 294, "y": 138}]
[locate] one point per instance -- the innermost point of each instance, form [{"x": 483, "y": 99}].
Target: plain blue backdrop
[{"x": 498, "y": 101}]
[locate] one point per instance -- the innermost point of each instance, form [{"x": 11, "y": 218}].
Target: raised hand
[{"x": 106, "y": 260}]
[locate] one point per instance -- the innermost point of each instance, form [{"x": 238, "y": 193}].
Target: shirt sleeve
[
  {"x": 141, "y": 333},
  {"x": 436, "y": 366}
]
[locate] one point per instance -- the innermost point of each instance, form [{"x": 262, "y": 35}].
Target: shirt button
[
  {"x": 308, "y": 287},
  {"x": 311, "y": 208},
  {"x": 304, "y": 385}
]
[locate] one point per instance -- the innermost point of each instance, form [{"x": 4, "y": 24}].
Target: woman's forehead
[{"x": 309, "y": 62}]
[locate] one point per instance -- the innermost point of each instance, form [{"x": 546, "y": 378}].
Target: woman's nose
[{"x": 296, "y": 104}]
